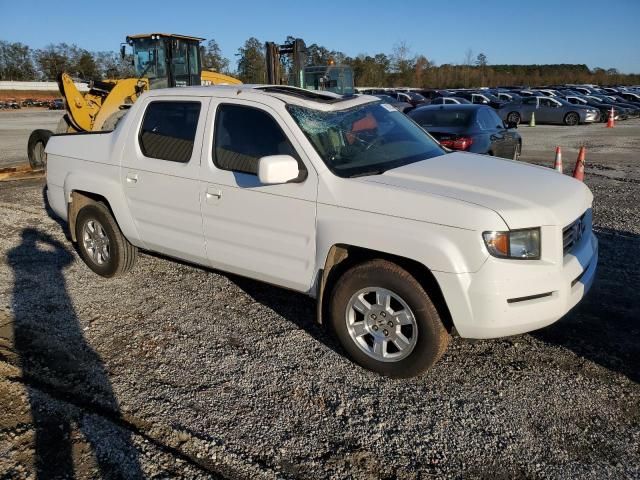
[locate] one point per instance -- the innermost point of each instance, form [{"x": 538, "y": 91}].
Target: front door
[
  {"x": 261, "y": 231},
  {"x": 159, "y": 175}
]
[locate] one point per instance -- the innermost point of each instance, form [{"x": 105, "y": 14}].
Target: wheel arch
[{"x": 342, "y": 256}]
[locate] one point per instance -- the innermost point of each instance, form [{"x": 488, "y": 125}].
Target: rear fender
[{"x": 84, "y": 187}]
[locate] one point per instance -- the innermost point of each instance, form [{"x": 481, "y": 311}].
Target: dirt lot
[{"x": 175, "y": 371}]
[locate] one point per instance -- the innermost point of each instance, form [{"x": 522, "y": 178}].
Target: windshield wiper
[{"x": 366, "y": 173}]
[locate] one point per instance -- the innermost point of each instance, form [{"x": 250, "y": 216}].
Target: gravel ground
[{"x": 176, "y": 371}]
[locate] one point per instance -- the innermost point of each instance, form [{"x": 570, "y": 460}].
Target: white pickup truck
[{"x": 345, "y": 198}]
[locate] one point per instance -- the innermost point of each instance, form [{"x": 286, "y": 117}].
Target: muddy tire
[
  {"x": 101, "y": 244},
  {"x": 112, "y": 120},
  {"x": 35, "y": 149},
  {"x": 386, "y": 321}
]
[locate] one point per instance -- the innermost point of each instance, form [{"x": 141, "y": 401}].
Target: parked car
[
  {"x": 432, "y": 93},
  {"x": 617, "y": 103},
  {"x": 413, "y": 98},
  {"x": 481, "y": 98},
  {"x": 449, "y": 101},
  {"x": 605, "y": 110},
  {"x": 56, "y": 104},
  {"x": 471, "y": 128},
  {"x": 343, "y": 198},
  {"x": 404, "y": 107},
  {"x": 549, "y": 110}
]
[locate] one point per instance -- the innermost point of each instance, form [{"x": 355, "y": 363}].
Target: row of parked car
[
  {"x": 14, "y": 104},
  {"x": 560, "y": 104},
  {"x": 485, "y": 120}
]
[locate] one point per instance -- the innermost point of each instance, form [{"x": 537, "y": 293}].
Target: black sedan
[{"x": 471, "y": 128}]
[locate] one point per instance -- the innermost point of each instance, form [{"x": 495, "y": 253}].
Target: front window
[
  {"x": 364, "y": 140},
  {"x": 150, "y": 62}
]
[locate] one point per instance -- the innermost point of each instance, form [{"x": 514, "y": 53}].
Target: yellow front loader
[{"x": 160, "y": 60}]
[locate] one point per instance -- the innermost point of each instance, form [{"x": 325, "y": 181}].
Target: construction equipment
[
  {"x": 330, "y": 77},
  {"x": 161, "y": 60}
]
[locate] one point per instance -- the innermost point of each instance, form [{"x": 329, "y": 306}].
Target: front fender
[{"x": 438, "y": 247}]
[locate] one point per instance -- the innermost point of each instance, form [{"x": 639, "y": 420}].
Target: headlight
[{"x": 517, "y": 244}]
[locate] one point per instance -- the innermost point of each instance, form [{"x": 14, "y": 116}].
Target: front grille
[{"x": 572, "y": 233}]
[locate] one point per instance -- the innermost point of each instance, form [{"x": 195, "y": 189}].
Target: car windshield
[{"x": 367, "y": 139}]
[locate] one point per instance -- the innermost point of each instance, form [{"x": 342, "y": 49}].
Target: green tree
[
  {"x": 251, "y": 62},
  {"x": 212, "y": 58},
  {"x": 16, "y": 62}
]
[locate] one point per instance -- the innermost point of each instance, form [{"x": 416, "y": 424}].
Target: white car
[{"x": 344, "y": 198}]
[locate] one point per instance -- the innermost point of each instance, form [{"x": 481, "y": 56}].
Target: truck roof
[{"x": 319, "y": 100}]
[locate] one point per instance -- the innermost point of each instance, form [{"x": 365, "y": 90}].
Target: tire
[
  {"x": 118, "y": 257},
  {"x": 517, "y": 151},
  {"x": 425, "y": 337},
  {"x": 64, "y": 125},
  {"x": 112, "y": 121},
  {"x": 571, "y": 119},
  {"x": 35, "y": 149},
  {"x": 514, "y": 117}
]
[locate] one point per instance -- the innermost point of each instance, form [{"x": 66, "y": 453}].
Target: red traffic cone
[
  {"x": 557, "y": 165},
  {"x": 611, "y": 121},
  {"x": 578, "y": 171}
]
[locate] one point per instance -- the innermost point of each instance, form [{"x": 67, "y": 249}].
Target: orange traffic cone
[
  {"x": 611, "y": 121},
  {"x": 578, "y": 171},
  {"x": 557, "y": 165}
]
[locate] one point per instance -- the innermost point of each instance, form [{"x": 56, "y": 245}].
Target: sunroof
[{"x": 302, "y": 93}]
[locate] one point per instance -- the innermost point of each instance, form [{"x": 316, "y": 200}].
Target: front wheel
[
  {"x": 101, "y": 244},
  {"x": 386, "y": 321},
  {"x": 571, "y": 119}
]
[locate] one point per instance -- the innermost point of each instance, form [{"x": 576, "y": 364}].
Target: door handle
[
  {"x": 132, "y": 178},
  {"x": 214, "y": 193}
]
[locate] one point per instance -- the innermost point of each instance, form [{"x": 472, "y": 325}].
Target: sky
[{"x": 597, "y": 33}]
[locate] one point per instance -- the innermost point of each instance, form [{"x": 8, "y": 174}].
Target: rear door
[
  {"x": 267, "y": 232},
  {"x": 159, "y": 175}
]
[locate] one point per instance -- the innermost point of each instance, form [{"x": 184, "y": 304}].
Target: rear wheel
[
  {"x": 101, "y": 244},
  {"x": 513, "y": 117},
  {"x": 571, "y": 119},
  {"x": 35, "y": 149},
  {"x": 386, "y": 321}
]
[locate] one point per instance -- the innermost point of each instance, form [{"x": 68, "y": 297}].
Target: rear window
[
  {"x": 443, "y": 118},
  {"x": 169, "y": 130}
]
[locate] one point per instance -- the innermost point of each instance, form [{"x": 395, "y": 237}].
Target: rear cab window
[{"x": 168, "y": 130}]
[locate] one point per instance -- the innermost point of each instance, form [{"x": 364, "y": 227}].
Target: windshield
[
  {"x": 416, "y": 96},
  {"x": 364, "y": 140}
]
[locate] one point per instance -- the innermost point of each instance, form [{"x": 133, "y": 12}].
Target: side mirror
[
  {"x": 123, "y": 51},
  {"x": 276, "y": 169}
]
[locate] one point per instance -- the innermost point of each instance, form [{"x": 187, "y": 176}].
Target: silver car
[{"x": 548, "y": 110}]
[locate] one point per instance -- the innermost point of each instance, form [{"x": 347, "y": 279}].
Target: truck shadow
[
  {"x": 66, "y": 381},
  {"x": 605, "y": 327}
]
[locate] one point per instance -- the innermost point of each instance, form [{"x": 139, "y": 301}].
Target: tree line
[{"x": 399, "y": 68}]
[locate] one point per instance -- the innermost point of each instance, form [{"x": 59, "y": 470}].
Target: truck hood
[{"x": 523, "y": 195}]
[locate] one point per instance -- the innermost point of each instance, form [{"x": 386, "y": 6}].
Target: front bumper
[{"x": 509, "y": 297}]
